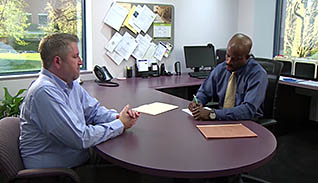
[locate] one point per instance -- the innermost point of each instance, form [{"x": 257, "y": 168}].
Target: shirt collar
[{"x": 57, "y": 80}]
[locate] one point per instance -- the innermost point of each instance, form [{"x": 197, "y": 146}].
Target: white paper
[
  {"x": 309, "y": 83},
  {"x": 155, "y": 108},
  {"x": 133, "y": 18},
  {"x": 126, "y": 46},
  {"x": 143, "y": 45},
  {"x": 161, "y": 30},
  {"x": 150, "y": 54},
  {"x": 145, "y": 18},
  {"x": 114, "y": 41},
  {"x": 142, "y": 65},
  {"x": 115, "y": 57},
  {"x": 186, "y": 110},
  {"x": 160, "y": 51},
  {"x": 115, "y": 16}
]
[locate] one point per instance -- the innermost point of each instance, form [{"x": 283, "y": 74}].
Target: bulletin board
[
  {"x": 144, "y": 31},
  {"x": 159, "y": 30}
]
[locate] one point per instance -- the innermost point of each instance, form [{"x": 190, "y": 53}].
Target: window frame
[
  {"x": 277, "y": 29},
  {"x": 83, "y": 46}
]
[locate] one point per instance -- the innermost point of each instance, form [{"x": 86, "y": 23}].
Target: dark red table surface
[{"x": 169, "y": 144}]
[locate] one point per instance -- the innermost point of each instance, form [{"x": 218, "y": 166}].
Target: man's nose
[{"x": 80, "y": 62}]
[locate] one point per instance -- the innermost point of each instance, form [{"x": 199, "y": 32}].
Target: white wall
[
  {"x": 196, "y": 23},
  {"x": 257, "y": 19}
]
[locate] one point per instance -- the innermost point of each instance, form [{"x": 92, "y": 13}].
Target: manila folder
[{"x": 226, "y": 131}]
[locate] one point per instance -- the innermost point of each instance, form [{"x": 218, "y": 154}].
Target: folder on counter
[{"x": 226, "y": 131}]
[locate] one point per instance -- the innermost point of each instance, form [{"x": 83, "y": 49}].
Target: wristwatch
[{"x": 212, "y": 114}]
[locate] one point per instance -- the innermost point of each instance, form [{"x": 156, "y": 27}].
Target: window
[
  {"x": 296, "y": 32},
  {"x": 42, "y": 18},
  {"x": 20, "y": 33}
]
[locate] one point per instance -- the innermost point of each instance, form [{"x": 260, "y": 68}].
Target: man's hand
[
  {"x": 192, "y": 106},
  {"x": 198, "y": 112},
  {"x": 128, "y": 117}
]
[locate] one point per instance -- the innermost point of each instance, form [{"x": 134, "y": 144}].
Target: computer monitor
[
  {"x": 306, "y": 69},
  {"x": 288, "y": 65},
  {"x": 199, "y": 56}
]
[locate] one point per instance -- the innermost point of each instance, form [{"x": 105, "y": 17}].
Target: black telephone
[{"x": 104, "y": 77}]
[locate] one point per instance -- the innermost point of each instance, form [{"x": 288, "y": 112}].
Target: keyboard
[{"x": 200, "y": 74}]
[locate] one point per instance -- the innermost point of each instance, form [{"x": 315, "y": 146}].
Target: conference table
[{"x": 169, "y": 144}]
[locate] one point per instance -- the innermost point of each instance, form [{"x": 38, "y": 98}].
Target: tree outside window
[
  {"x": 299, "y": 29},
  {"x": 24, "y": 22}
]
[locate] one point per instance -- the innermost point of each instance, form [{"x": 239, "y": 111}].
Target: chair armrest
[
  {"x": 266, "y": 122},
  {"x": 48, "y": 172}
]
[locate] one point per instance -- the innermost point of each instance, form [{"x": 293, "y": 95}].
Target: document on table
[
  {"x": 226, "y": 131},
  {"x": 155, "y": 108},
  {"x": 186, "y": 110}
]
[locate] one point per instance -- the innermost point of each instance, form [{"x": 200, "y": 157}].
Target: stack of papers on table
[
  {"x": 226, "y": 131},
  {"x": 155, "y": 108}
]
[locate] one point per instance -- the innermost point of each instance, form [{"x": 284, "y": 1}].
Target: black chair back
[{"x": 273, "y": 69}]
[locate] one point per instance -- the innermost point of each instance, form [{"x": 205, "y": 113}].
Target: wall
[
  {"x": 257, "y": 19},
  {"x": 196, "y": 23}
]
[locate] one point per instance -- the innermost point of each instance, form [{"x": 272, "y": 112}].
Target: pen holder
[{"x": 129, "y": 72}]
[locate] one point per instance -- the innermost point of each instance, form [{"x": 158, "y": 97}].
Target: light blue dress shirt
[
  {"x": 251, "y": 88},
  {"x": 59, "y": 122}
]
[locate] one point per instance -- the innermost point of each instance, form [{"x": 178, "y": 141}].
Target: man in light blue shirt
[
  {"x": 60, "y": 121},
  {"x": 251, "y": 83}
]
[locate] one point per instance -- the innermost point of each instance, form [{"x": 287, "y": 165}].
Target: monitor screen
[
  {"x": 305, "y": 70},
  {"x": 198, "y": 56},
  {"x": 287, "y": 68}
]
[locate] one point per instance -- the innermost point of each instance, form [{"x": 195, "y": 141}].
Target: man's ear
[{"x": 57, "y": 61}]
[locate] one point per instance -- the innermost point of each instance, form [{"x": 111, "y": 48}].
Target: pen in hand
[{"x": 195, "y": 99}]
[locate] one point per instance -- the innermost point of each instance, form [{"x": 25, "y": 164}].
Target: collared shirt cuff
[{"x": 117, "y": 126}]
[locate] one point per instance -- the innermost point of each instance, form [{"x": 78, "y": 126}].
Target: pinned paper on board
[
  {"x": 160, "y": 51},
  {"x": 115, "y": 57},
  {"x": 126, "y": 46},
  {"x": 142, "y": 47},
  {"x": 133, "y": 18},
  {"x": 115, "y": 16},
  {"x": 130, "y": 16},
  {"x": 150, "y": 53},
  {"x": 145, "y": 18},
  {"x": 113, "y": 42}
]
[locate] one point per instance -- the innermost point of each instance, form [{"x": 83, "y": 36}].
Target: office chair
[
  {"x": 273, "y": 69},
  {"x": 11, "y": 164},
  {"x": 220, "y": 55}
]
